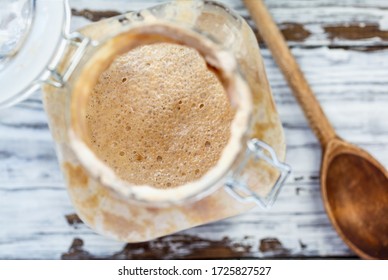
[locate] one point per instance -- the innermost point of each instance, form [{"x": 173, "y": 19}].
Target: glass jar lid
[{"x": 31, "y": 39}]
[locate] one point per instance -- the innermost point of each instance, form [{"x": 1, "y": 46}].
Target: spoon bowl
[{"x": 355, "y": 194}]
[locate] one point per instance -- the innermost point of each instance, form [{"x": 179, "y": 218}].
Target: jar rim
[{"x": 221, "y": 61}]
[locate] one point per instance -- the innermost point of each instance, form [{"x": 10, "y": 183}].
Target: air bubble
[
  {"x": 201, "y": 106},
  {"x": 139, "y": 157},
  {"x": 128, "y": 128},
  {"x": 121, "y": 153},
  {"x": 124, "y": 80},
  {"x": 207, "y": 144},
  {"x": 159, "y": 158},
  {"x": 196, "y": 171},
  {"x": 168, "y": 184}
]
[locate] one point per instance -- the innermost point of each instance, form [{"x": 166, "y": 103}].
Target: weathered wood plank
[
  {"x": 42, "y": 231},
  {"x": 342, "y": 23},
  {"x": 236, "y": 4}
]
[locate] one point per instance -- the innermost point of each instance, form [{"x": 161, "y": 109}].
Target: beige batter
[{"x": 158, "y": 116}]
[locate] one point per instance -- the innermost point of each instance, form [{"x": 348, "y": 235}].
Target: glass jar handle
[
  {"x": 81, "y": 44},
  {"x": 241, "y": 191}
]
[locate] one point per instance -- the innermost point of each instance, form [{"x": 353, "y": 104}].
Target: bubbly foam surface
[{"x": 158, "y": 116}]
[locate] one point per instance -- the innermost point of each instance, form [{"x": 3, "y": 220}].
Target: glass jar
[{"x": 249, "y": 171}]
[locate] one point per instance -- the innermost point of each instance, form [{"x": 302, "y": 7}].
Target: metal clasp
[
  {"x": 237, "y": 188},
  {"x": 82, "y": 43}
]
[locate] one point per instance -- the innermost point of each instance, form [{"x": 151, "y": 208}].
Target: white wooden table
[{"x": 341, "y": 45}]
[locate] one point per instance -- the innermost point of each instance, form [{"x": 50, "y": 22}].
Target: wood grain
[
  {"x": 351, "y": 86},
  {"x": 355, "y": 194}
]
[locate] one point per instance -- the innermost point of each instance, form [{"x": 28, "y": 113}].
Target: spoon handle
[{"x": 291, "y": 71}]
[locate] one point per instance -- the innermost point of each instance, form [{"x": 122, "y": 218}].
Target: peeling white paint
[
  {"x": 336, "y": 55},
  {"x": 383, "y": 23}
]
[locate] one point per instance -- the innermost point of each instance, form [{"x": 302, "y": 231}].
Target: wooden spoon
[{"x": 354, "y": 185}]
